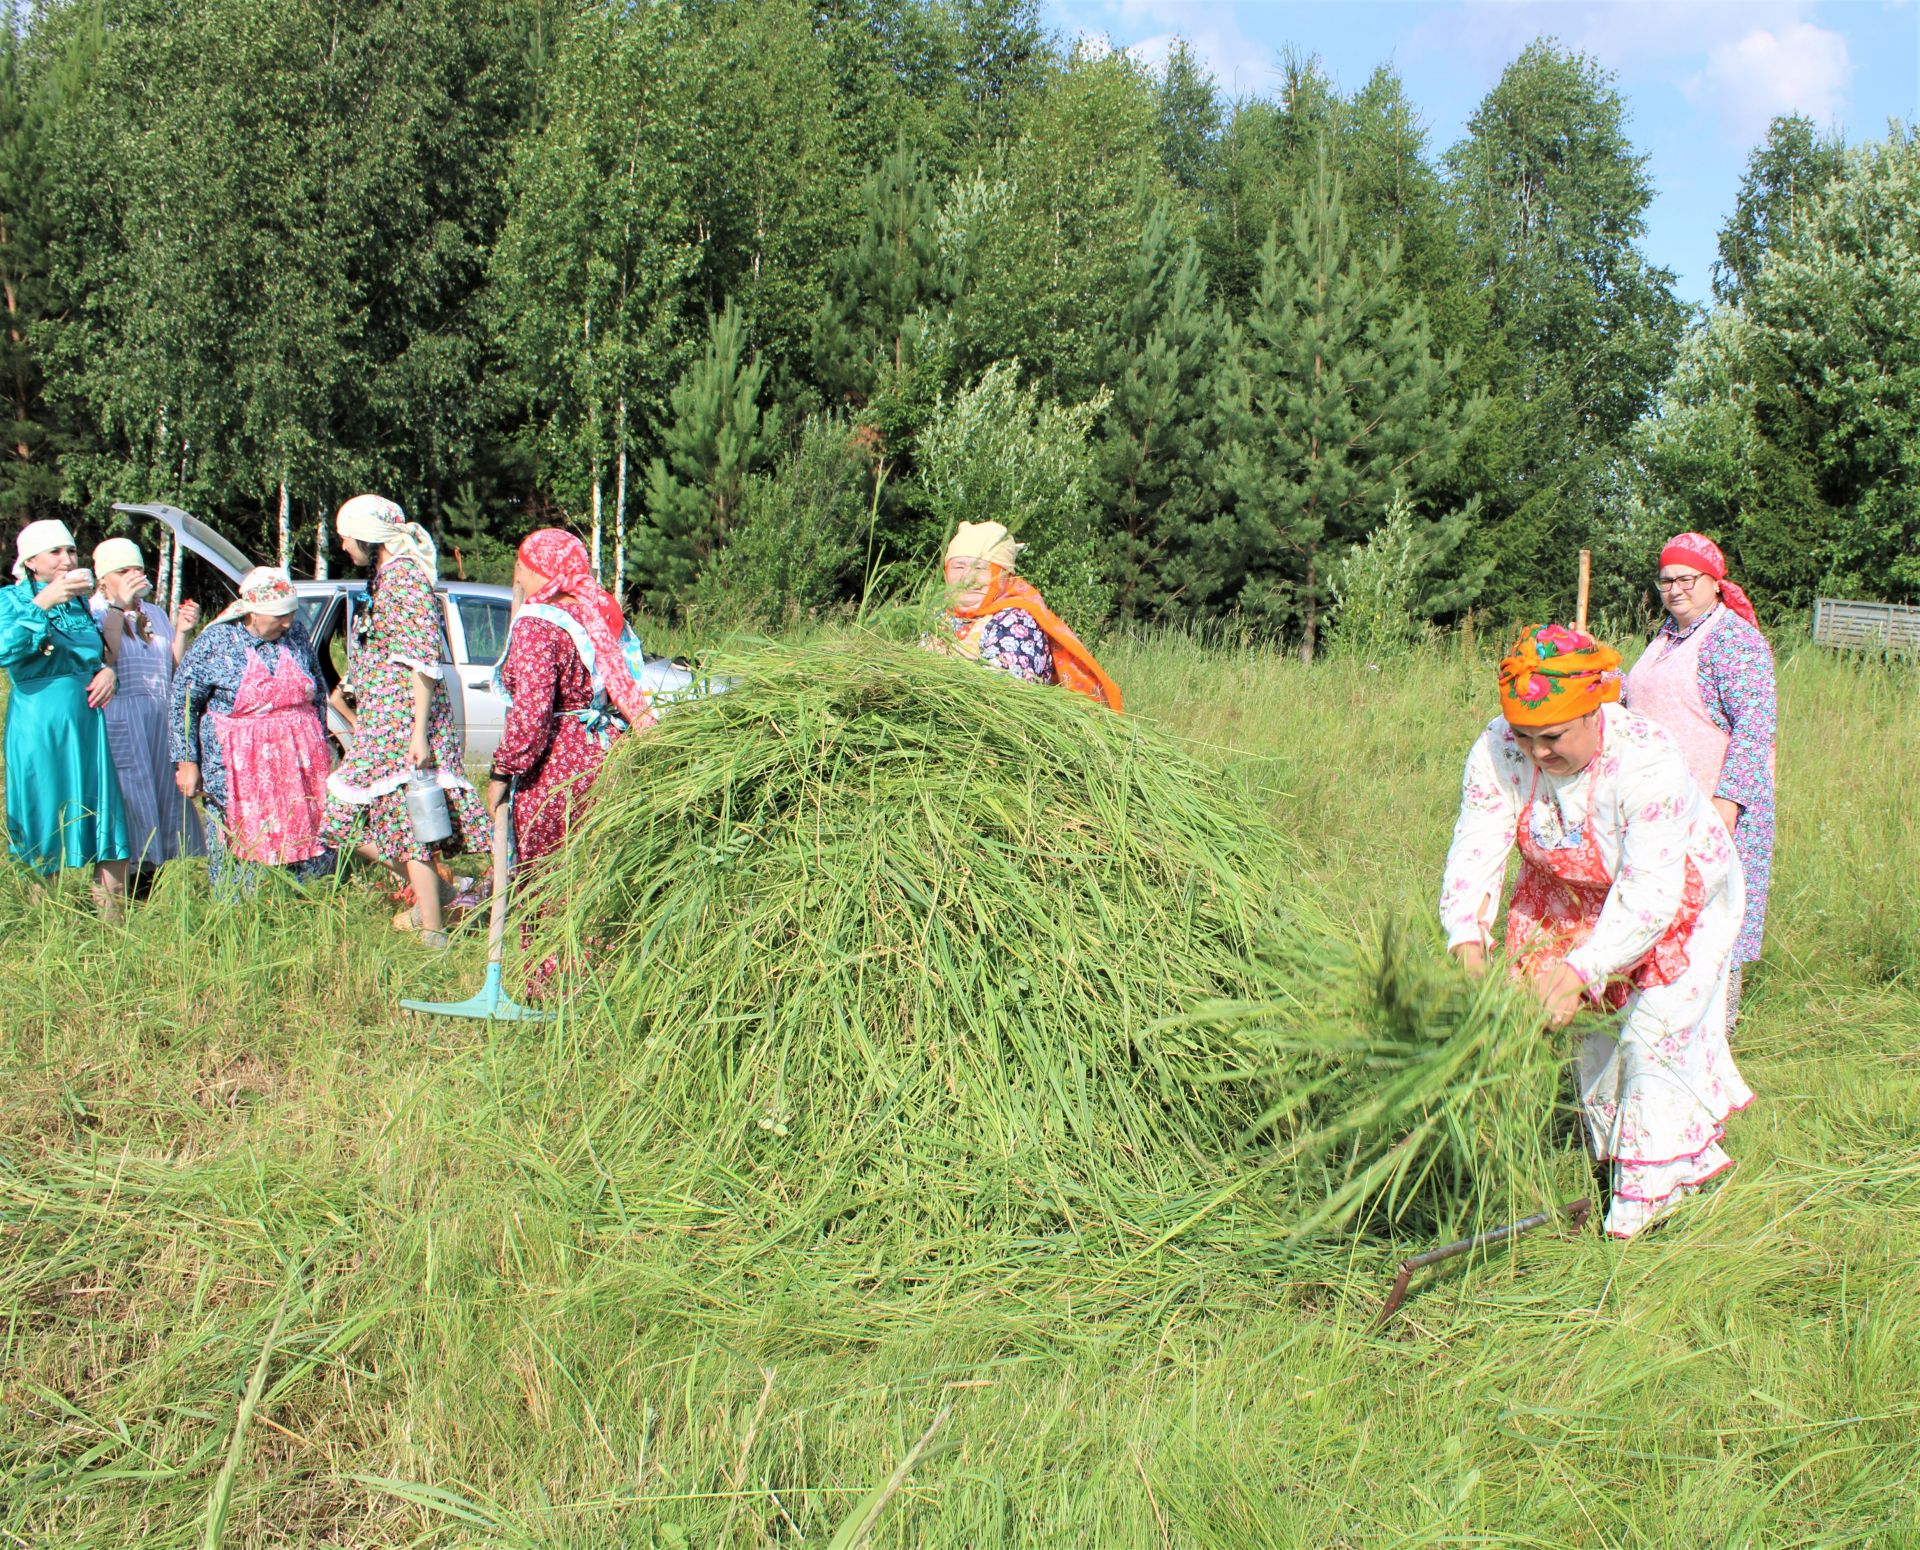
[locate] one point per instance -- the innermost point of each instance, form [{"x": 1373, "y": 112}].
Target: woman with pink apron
[
  {"x": 1629, "y": 898},
  {"x": 249, "y": 734},
  {"x": 1707, "y": 677}
]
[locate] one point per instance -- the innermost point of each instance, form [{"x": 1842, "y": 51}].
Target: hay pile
[{"x": 908, "y": 957}]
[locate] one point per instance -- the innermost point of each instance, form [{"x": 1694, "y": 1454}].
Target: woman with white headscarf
[
  {"x": 63, "y": 794},
  {"x": 248, "y": 731},
  {"x": 403, "y": 719}
]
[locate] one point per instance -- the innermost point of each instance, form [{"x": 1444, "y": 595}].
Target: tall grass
[{"x": 505, "y": 1317}]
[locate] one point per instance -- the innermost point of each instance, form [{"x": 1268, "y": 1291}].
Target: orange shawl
[{"x": 1073, "y": 665}]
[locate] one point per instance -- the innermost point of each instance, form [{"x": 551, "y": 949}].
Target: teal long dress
[{"x": 63, "y": 794}]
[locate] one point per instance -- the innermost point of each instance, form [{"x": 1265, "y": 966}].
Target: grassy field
[{"x": 278, "y": 1268}]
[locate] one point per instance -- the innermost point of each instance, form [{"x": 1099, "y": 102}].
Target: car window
[
  {"x": 484, "y": 621},
  {"x": 311, "y": 605}
]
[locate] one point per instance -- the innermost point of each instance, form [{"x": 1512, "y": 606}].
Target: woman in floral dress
[
  {"x": 248, "y": 729},
  {"x": 1629, "y": 897},
  {"x": 1707, "y": 677},
  {"x": 998, "y": 618},
  {"x": 569, "y": 695},
  {"x": 403, "y": 719}
]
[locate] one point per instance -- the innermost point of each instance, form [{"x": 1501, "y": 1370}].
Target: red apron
[
  {"x": 1558, "y": 902},
  {"x": 276, "y": 756}
]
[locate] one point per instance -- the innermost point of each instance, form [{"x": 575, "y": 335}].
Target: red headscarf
[
  {"x": 1701, "y": 552},
  {"x": 570, "y": 587}
]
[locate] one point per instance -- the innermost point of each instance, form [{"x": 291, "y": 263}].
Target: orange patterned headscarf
[{"x": 1556, "y": 674}]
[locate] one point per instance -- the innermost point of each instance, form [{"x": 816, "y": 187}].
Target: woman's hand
[
  {"x": 64, "y": 588},
  {"x": 100, "y": 690},
  {"x": 420, "y": 750},
  {"x": 1729, "y": 811},
  {"x": 187, "y": 778},
  {"x": 1559, "y": 992},
  {"x": 185, "y": 617},
  {"x": 497, "y": 792},
  {"x": 1473, "y": 958}
]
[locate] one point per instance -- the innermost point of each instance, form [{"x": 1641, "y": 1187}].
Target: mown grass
[{"x": 217, "y": 1140}]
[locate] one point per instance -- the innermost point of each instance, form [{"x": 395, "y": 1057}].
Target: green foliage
[
  {"x": 1047, "y": 264},
  {"x": 1784, "y": 177},
  {"x": 1573, "y": 330},
  {"x": 998, "y": 452},
  {"x": 887, "y": 290},
  {"x": 717, "y": 436},
  {"x": 1377, "y": 587},
  {"x": 1789, "y": 426},
  {"x": 804, "y": 539},
  {"x": 42, "y": 76},
  {"x": 1154, "y": 445},
  {"x": 1331, "y": 399}
]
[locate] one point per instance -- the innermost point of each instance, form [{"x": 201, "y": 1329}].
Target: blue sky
[{"x": 1701, "y": 77}]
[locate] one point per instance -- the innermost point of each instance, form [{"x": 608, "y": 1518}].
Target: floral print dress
[
  {"x": 397, "y": 636},
  {"x": 1644, "y": 853},
  {"x": 1010, "y": 640}
]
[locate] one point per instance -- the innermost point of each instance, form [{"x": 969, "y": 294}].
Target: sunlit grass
[{"x": 494, "y": 1330}]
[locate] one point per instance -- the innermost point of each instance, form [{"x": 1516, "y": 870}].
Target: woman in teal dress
[{"x": 63, "y": 794}]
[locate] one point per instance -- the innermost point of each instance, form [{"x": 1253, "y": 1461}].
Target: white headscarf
[
  {"x": 37, "y": 538},
  {"x": 373, "y": 519}
]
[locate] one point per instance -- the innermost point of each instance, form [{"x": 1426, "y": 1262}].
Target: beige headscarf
[
  {"x": 373, "y": 519},
  {"x": 989, "y": 541}
]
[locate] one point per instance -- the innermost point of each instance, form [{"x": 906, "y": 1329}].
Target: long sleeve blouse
[{"x": 1647, "y": 818}]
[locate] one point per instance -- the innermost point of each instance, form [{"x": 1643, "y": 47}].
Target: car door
[{"x": 482, "y": 622}]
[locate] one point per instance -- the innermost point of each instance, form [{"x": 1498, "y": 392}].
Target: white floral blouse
[{"x": 1647, "y": 816}]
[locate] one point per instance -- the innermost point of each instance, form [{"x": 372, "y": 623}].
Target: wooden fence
[{"x": 1874, "y": 626}]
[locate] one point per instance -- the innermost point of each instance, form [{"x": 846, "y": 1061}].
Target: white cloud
[{"x": 1799, "y": 69}]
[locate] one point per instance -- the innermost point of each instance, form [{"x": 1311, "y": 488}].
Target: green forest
[{"x": 765, "y": 296}]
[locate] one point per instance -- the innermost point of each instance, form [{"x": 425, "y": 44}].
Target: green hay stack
[{"x": 906, "y": 960}]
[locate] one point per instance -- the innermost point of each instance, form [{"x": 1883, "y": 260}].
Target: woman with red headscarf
[
  {"x": 1707, "y": 677},
  {"x": 1628, "y": 898},
  {"x": 570, "y": 694}
]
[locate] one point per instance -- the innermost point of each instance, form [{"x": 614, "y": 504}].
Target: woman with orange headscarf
[
  {"x": 1629, "y": 897},
  {"x": 1000, "y": 619}
]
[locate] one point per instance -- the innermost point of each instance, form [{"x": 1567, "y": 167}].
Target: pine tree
[
  {"x": 1153, "y": 450},
  {"x": 1332, "y": 400},
  {"x": 716, "y": 435},
  {"x": 881, "y": 288}
]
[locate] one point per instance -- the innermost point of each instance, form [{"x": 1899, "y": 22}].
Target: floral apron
[
  {"x": 276, "y": 758},
  {"x": 1558, "y": 901}
]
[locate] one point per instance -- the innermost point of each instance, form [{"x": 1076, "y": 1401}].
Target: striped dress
[{"x": 161, "y": 825}]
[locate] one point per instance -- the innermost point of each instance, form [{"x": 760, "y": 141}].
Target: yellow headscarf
[
  {"x": 989, "y": 541},
  {"x": 1556, "y": 674}
]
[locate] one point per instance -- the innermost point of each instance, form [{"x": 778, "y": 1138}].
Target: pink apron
[
  {"x": 1664, "y": 686},
  {"x": 276, "y": 756},
  {"x": 1558, "y": 901}
]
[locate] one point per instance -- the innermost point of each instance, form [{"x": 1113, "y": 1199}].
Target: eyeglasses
[{"x": 1676, "y": 583}]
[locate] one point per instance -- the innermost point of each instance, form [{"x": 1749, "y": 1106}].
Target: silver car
[{"x": 473, "y": 632}]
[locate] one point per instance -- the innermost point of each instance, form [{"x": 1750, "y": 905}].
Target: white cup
[{"x": 83, "y": 575}]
